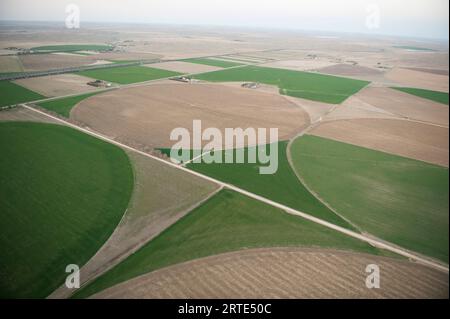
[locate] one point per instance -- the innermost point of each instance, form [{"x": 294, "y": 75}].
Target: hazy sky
[{"x": 419, "y": 18}]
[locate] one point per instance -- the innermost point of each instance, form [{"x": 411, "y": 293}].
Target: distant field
[
  {"x": 63, "y": 193},
  {"x": 64, "y": 106},
  {"x": 412, "y": 48},
  {"x": 11, "y": 93},
  {"x": 283, "y": 186},
  {"x": 228, "y": 221},
  {"x": 440, "y": 97},
  {"x": 212, "y": 62},
  {"x": 127, "y": 75},
  {"x": 397, "y": 199},
  {"x": 74, "y": 47},
  {"x": 312, "y": 86}
]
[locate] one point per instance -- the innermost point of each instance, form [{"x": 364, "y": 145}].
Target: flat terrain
[
  {"x": 22, "y": 114},
  {"x": 213, "y": 62},
  {"x": 11, "y": 93},
  {"x": 64, "y": 106},
  {"x": 282, "y": 186},
  {"x": 400, "y": 200},
  {"x": 10, "y": 64},
  {"x": 226, "y": 222},
  {"x": 349, "y": 70},
  {"x": 127, "y": 75},
  {"x": 161, "y": 196},
  {"x": 73, "y": 47},
  {"x": 146, "y": 115},
  {"x": 184, "y": 67},
  {"x": 405, "y": 105},
  {"x": 59, "y": 215},
  {"x": 424, "y": 142},
  {"x": 312, "y": 86},
  {"x": 440, "y": 97},
  {"x": 284, "y": 273},
  {"x": 42, "y": 62},
  {"x": 418, "y": 79},
  {"x": 299, "y": 65},
  {"x": 57, "y": 85}
]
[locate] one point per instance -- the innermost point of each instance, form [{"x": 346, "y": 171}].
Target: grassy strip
[
  {"x": 63, "y": 106},
  {"x": 227, "y": 222},
  {"x": 440, "y": 97},
  {"x": 283, "y": 186},
  {"x": 401, "y": 200},
  {"x": 11, "y": 93},
  {"x": 212, "y": 62},
  {"x": 127, "y": 75},
  {"x": 312, "y": 86},
  {"x": 62, "y": 194}
]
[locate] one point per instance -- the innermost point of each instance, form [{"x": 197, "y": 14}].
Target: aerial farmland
[{"x": 89, "y": 177}]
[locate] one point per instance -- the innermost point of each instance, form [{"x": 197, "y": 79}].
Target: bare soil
[
  {"x": 41, "y": 62},
  {"x": 146, "y": 115},
  {"x": 58, "y": 85},
  {"x": 10, "y": 64},
  {"x": 424, "y": 142},
  {"x": 300, "y": 65},
  {"x": 418, "y": 79},
  {"x": 285, "y": 273},
  {"x": 405, "y": 105},
  {"x": 348, "y": 70}
]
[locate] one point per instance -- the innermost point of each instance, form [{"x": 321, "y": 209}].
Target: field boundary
[{"x": 375, "y": 242}]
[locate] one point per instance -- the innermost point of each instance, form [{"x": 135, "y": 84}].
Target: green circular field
[{"x": 62, "y": 194}]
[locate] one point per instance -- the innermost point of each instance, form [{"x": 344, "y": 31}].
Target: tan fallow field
[
  {"x": 404, "y": 105},
  {"x": 183, "y": 67},
  {"x": 300, "y": 65},
  {"x": 58, "y": 85},
  {"x": 42, "y": 62},
  {"x": 285, "y": 273},
  {"x": 418, "y": 79},
  {"x": 10, "y": 63},
  {"x": 146, "y": 115},
  {"x": 420, "y": 141}
]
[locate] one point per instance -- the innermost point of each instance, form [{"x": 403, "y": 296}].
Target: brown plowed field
[
  {"x": 419, "y": 79},
  {"x": 434, "y": 71},
  {"x": 405, "y": 105},
  {"x": 146, "y": 115},
  {"x": 41, "y": 62},
  {"x": 58, "y": 85},
  {"x": 424, "y": 142},
  {"x": 285, "y": 273},
  {"x": 348, "y": 70}
]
